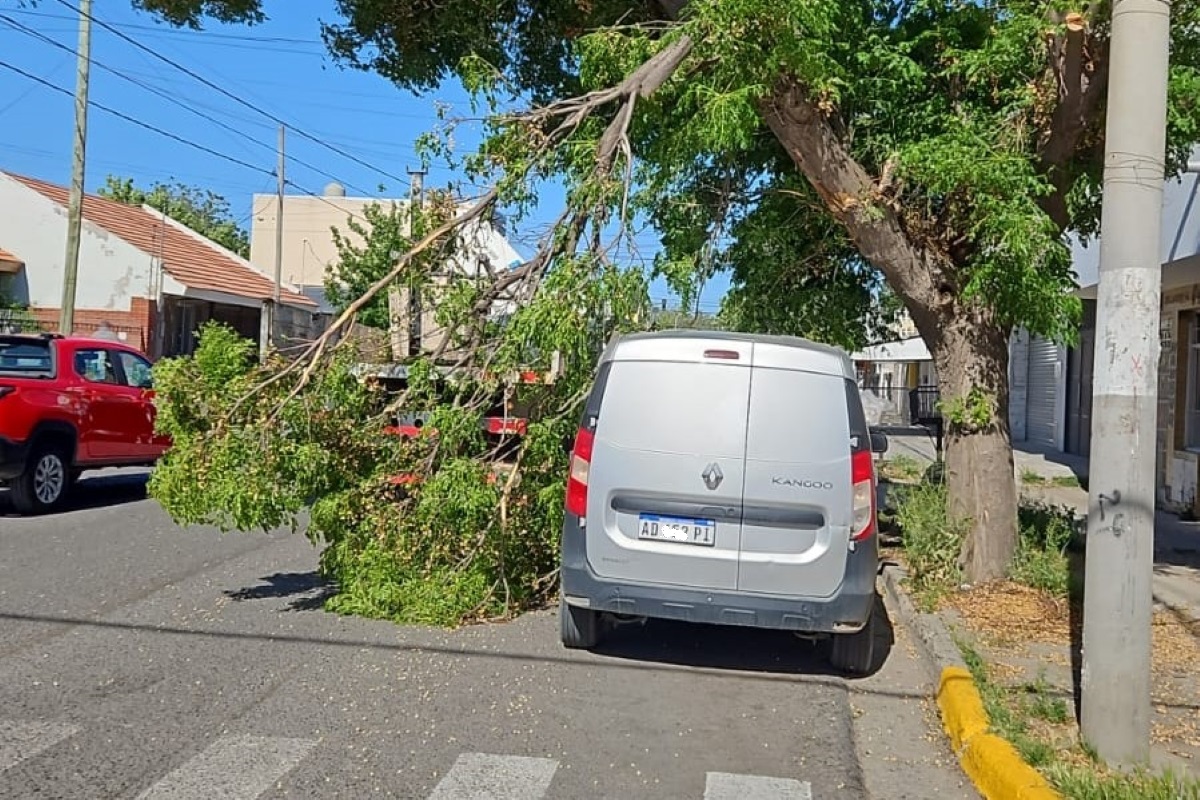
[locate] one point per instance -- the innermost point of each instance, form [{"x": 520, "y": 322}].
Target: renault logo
[{"x": 712, "y": 476}]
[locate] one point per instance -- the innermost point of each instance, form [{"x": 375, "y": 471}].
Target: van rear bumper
[{"x": 844, "y": 612}]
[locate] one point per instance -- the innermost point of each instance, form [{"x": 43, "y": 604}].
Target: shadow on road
[
  {"x": 315, "y": 590},
  {"x": 100, "y": 491},
  {"x": 735, "y": 648}
]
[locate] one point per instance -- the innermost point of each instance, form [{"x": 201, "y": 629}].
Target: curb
[{"x": 992, "y": 763}]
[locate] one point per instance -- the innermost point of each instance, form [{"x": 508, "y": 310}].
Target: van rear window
[
  {"x": 25, "y": 356},
  {"x": 673, "y": 407},
  {"x": 797, "y": 417}
]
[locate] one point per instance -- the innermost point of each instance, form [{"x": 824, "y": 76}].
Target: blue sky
[{"x": 279, "y": 67}]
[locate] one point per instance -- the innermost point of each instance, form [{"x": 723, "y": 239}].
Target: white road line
[
  {"x": 727, "y": 786},
  {"x": 22, "y": 740},
  {"x": 479, "y": 776},
  {"x": 232, "y": 768}
]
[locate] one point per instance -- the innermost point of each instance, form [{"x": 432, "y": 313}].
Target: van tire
[
  {"x": 854, "y": 653},
  {"x": 579, "y": 627}
]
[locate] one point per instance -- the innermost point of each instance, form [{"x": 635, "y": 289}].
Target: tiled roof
[{"x": 187, "y": 257}]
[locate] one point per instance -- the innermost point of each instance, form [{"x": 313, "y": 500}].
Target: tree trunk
[
  {"x": 971, "y": 356},
  {"x": 970, "y": 348}
]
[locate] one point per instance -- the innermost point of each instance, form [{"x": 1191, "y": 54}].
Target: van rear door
[
  {"x": 797, "y": 503},
  {"x": 665, "y": 486}
]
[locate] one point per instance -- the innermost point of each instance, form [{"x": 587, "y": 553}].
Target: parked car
[
  {"x": 69, "y": 404},
  {"x": 728, "y": 479}
]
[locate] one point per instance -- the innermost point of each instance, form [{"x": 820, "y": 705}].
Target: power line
[
  {"x": 172, "y": 31},
  {"x": 171, "y": 98},
  {"x": 138, "y": 122},
  {"x": 180, "y": 139},
  {"x": 241, "y": 101}
]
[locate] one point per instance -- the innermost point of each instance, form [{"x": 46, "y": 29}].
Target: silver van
[{"x": 723, "y": 478}]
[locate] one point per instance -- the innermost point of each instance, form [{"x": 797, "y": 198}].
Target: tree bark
[
  {"x": 970, "y": 348},
  {"x": 971, "y": 355}
]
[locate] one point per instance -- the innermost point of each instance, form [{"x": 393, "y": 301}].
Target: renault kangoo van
[{"x": 728, "y": 479}]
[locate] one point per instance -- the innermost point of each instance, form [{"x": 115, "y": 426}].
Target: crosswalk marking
[
  {"x": 727, "y": 786},
  {"x": 22, "y": 740},
  {"x": 233, "y": 768},
  {"x": 480, "y": 776}
]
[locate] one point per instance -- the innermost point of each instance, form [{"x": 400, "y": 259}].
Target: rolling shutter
[{"x": 1041, "y": 423}]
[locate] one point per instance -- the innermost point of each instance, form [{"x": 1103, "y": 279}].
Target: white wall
[
  {"x": 34, "y": 228},
  {"x": 308, "y": 246}
]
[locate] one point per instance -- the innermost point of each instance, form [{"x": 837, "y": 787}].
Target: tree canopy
[
  {"x": 813, "y": 148},
  {"x": 204, "y": 211}
]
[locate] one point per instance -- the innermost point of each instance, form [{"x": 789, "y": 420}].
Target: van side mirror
[{"x": 879, "y": 442}]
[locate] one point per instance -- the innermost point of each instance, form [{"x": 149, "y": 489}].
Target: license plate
[{"x": 701, "y": 532}]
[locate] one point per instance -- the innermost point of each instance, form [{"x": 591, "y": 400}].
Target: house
[
  {"x": 900, "y": 374},
  {"x": 309, "y": 250},
  {"x": 142, "y": 276}
]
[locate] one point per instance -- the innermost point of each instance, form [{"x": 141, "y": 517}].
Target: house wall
[
  {"x": 113, "y": 283},
  {"x": 1175, "y": 463}
]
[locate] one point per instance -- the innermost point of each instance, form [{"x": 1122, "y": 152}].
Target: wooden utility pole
[
  {"x": 1118, "y": 602},
  {"x": 281, "y": 185},
  {"x": 75, "y": 203},
  {"x": 416, "y": 332}
]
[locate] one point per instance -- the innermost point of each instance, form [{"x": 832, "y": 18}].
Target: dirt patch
[
  {"x": 1008, "y": 613},
  {"x": 1175, "y": 648}
]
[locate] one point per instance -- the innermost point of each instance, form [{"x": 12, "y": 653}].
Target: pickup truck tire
[{"x": 44, "y": 483}]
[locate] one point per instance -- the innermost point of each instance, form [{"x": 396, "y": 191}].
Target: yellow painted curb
[{"x": 992, "y": 763}]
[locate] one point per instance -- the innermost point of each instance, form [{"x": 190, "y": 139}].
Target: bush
[
  {"x": 1046, "y": 534},
  {"x": 932, "y": 540}
]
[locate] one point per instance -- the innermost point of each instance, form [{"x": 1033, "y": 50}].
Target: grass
[
  {"x": 932, "y": 542},
  {"x": 1072, "y": 770},
  {"x": 900, "y": 468},
  {"x": 1031, "y": 477},
  {"x": 931, "y": 539}
]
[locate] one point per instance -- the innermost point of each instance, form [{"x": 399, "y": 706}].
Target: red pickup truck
[{"x": 68, "y": 404}]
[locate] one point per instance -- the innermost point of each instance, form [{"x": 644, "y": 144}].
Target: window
[
  {"x": 95, "y": 366},
  {"x": 136, "y": 369},
  {"x": 25, "y": 356},
  {"x": 1192, "y": 420}
]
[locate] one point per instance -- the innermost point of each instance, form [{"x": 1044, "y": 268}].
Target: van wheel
[
  {"x": 579, "y": 627},
  {"x": 854, "y": 653},
  {"x": 43, "y": 484}
]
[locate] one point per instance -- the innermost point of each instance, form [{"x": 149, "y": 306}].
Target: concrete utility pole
[
  {"x": 75, "y": 203},
  {"x": 1115, "y": 707}
]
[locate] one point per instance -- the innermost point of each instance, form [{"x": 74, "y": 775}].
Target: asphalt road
[{"x": 138, "y": 660}]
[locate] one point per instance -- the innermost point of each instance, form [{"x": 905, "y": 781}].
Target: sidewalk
[{"x": 1176, "y": 542}]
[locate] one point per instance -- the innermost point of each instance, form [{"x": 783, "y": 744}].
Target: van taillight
[
  {"x": 577, "y": 481},
  {"x": 862, "y": 471}
]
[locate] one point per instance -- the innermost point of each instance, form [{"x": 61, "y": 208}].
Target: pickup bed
[{"x": 69, "y": 404}]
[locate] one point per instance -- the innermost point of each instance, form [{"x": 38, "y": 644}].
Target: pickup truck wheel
[{"x": 43, "y": 484}]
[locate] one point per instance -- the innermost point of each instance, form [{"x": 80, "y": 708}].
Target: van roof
[{"x": 783, "y": 352}]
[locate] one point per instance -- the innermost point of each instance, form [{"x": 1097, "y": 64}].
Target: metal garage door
[{"x": 1041, "y": 423}]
